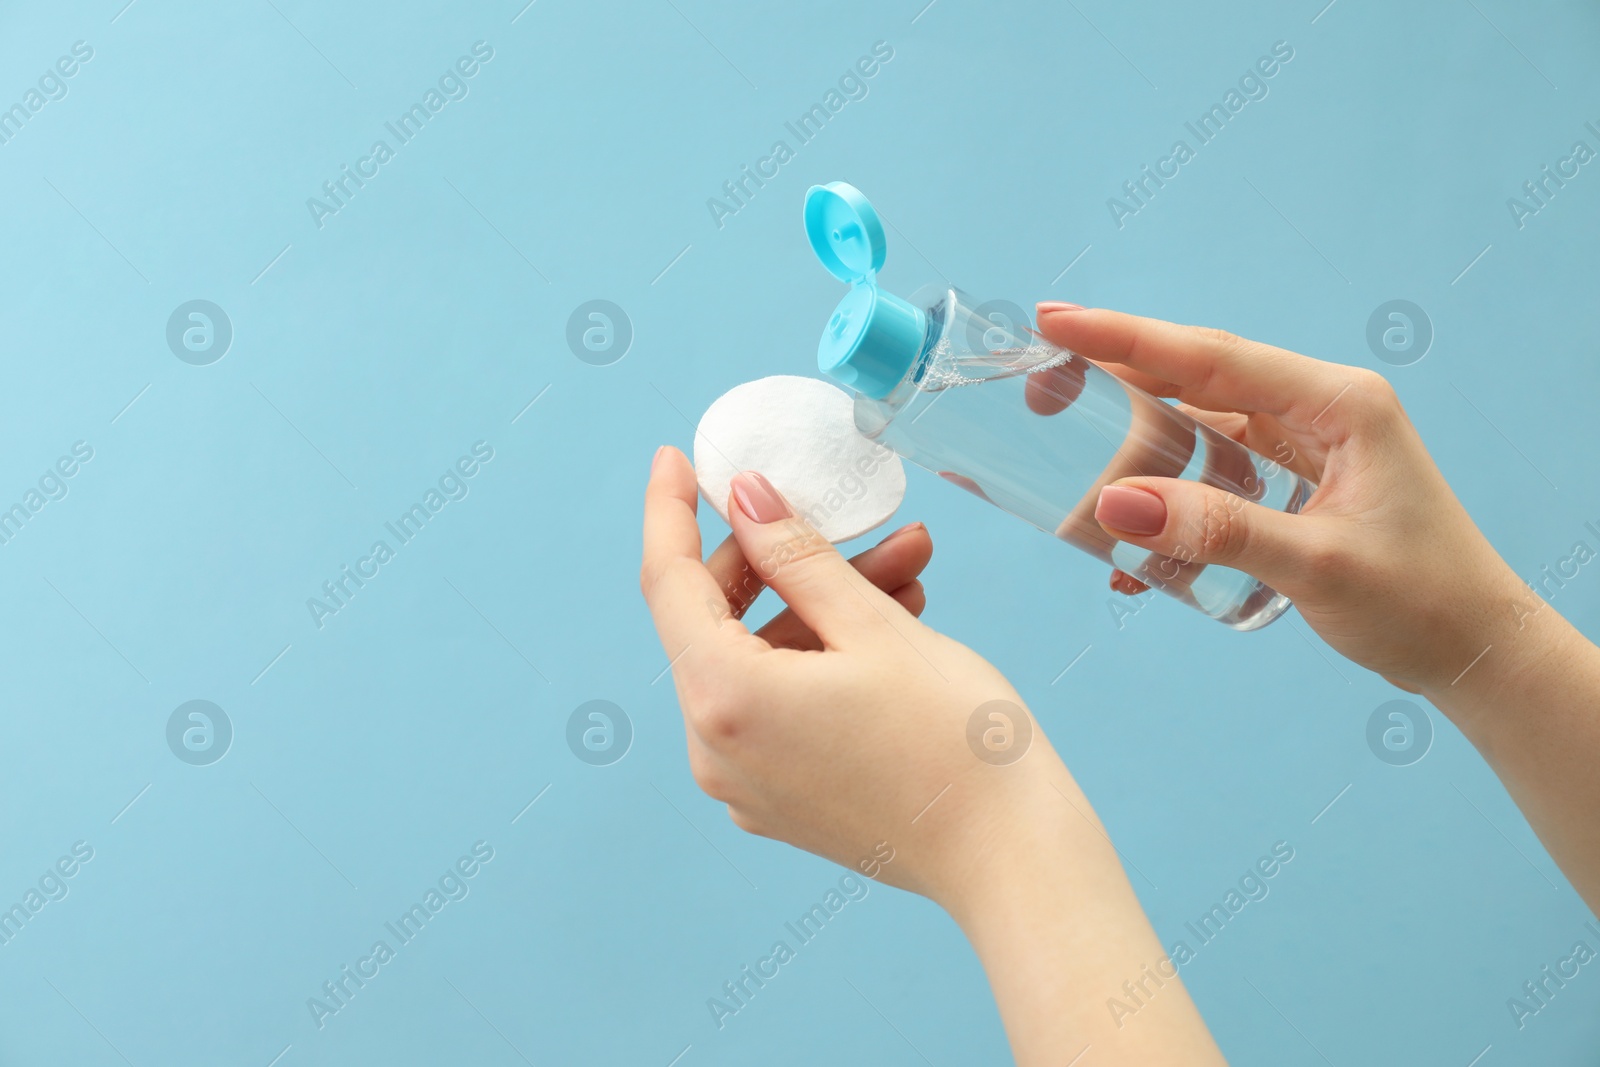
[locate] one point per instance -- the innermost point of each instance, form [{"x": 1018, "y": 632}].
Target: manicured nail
[
  {"x": 1127, "y": 584},
  {"x": 907, "y": 528},
  {"x": 1135, "y": 511},
  {"x": 1046, "y": 306},
  {"x": 757, "y": 498}
]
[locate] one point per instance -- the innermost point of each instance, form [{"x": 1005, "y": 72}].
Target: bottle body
[{"x": 1038, "y": 431}]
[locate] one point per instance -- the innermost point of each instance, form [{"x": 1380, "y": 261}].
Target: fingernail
[
  {"x": 907, "y": 528},
  {"x": 1135, "y": 511},
  {"x": 1127, "y": 584},
  {"x": 656, "y": 458},
  {"x": 1047, "y": 306},
  {"x": 757, "y": 498}
]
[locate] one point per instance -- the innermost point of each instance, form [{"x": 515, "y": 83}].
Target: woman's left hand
[{"x": 840, "y": 722}]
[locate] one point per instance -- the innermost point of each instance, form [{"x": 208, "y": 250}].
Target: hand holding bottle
[
  {"x": 943, "y": 381},
  {"x": 1382, "y": 561}
]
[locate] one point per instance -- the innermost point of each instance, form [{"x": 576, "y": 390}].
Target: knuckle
[
  {"x": 1368, "y": 382},
  {"x": 1225, "y": 345},
  {"x": 651, "y": 573},
  {"x": 749, "y": 822},
  {"x": 718, "y": 718},
  {"x": 1222, "y": 529},
  {"x": 707, "y": 775},
  {"x": 648, "y": 575},
  {"x": 797, "y": 545},
  {"x": 912, "y": 596},
  {"x": 1372, "y": 391},
  {"x": 1324, "y": 559},
  {"x": 1220, "y": 346},
  {"x": 1218, "y": 338},
  {"x": 741, "y": 594}
]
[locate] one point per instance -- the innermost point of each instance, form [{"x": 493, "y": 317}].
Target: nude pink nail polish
[
  {"x": 1135, "y": 511},
  {"x": 757, "y": 498}
]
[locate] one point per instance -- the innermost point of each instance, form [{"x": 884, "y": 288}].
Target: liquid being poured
[
  {"x": 1050, "y": 431},
  {"x": 949, "y": 369}
]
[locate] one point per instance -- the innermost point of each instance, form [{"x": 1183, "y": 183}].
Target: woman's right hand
[{"x": 1383, "y": 561}]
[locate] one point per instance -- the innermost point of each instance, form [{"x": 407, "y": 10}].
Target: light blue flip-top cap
[{"x": 873, "y": 337}]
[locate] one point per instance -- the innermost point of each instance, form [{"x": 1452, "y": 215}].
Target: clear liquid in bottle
[
  {"x": 1038, "y": 431},
  {"x": 985, "y": 402}
]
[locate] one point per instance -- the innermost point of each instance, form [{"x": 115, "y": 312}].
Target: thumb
[
  {"x": 1194, "y": 522},
  {"x": 801, "y": 566}
]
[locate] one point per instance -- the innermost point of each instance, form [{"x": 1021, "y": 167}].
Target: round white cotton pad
[{"x": 801, "y": 433}]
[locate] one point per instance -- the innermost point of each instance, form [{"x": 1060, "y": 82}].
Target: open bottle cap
[{"x": 873, "y": 338}]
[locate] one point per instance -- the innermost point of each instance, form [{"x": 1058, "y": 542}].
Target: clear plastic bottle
[{"x": 973, "y": 394}]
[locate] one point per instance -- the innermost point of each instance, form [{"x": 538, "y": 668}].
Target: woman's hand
[
  {"x": 835, "y": 726},
  {"x": 1383, "y": 561},
  {"x": 848, "y": 728}
]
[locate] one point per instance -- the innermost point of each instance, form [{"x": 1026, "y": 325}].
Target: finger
[
  {"x": 1138, "y": 379},
  {"x": 892, "y": 565},
  {"x": 1052, "y": 390},
  {"x": 966, "y": 483},
  {"x": 912, "y": 596},
  {"x": 1257, "y": 431},
  {"x": 797, "y": 563},
  {"x": 889, "y": 564},
  {"x": 1158, "y": 444},
  {"x": 1127, "y": 584},
  {"x": 1227, "y": 421},
  {"x": 1266, "y": 437},
  {"x": 1230, "y": 424},
  {"x": 1211, "y": 369},
  {"x": 1198, "y": 524},
  {"x": 685, "y": 601},
  {"x": 734, "y": 575}
]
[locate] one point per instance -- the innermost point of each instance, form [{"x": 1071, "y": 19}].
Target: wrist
[
  {"x": 1450, "y": 615},
  {"x": 1059, "y": 931},
  {"x": 1512, "y": 643},
  {"x": 1034, "y": 850}
]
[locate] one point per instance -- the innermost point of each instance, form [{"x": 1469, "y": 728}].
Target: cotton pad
[{"x": 801, "y": 433}]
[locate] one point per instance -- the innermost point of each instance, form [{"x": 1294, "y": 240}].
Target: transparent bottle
[{"x": 973, "y": 394}]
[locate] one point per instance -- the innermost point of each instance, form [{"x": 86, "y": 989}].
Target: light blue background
[{"x": 423, "y": 717}]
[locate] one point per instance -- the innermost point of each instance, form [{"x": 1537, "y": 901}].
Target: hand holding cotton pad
[{"x": 801, "y": 433}]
